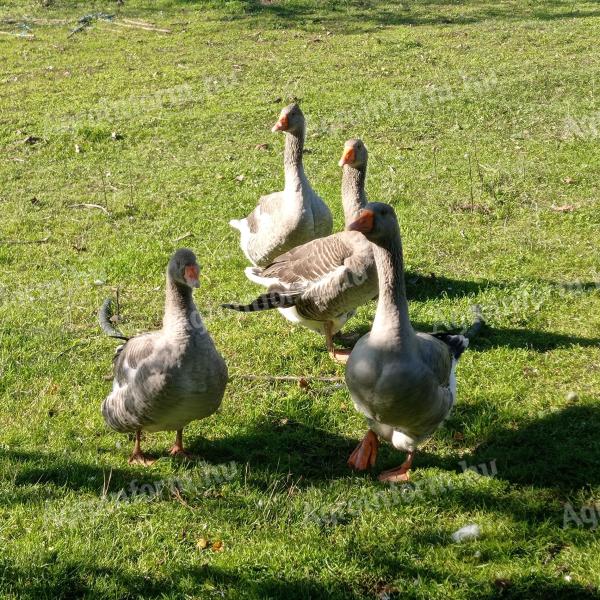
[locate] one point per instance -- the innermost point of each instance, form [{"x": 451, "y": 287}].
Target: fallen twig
[
  {"x": 86, "y": 205},
  {"x": 563, "y": 208},
  {"x": 42, "y": 241},
  {"x": 177, "y": 495},
  {"x": 29, "y": 36},
  {"x": 10, "y": 21},
  {"x": 87, "y": 20},
  {"x": 133, "y": 25},
  {"x": 106, "y": 484},
  {"x": 294, "y": 378},
  {"x": 184, "y": 236}
]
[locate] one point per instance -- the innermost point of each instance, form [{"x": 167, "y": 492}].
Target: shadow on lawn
[
  {"x": 532, "y": 587},
  {"x": 363, "y": 16},
  {"x": 560, "y": 451},
  {"x": 425, "y": 287},
  {"x": 72, "y": 579},
  {"x": 306, "y": 452},
  {"x": 62, "y": 580},
  {"x": 530, "y": 339},
  {"x": 507, "y": 337},
  {"x": 44, "y": 476}
]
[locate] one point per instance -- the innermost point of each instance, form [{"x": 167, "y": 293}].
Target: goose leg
[
  {"x": 137, "y": 456},
  {"x": 399, "y": 473},
  {"x": 340, "y": 356},
  {"x": 177, "y": 448},
  {"x": 365, "y": 454}
]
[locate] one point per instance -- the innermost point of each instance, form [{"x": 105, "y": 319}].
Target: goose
[
  {"x": 166, "y": 378},
  {"x": 404, "y": 382},
  {"x": 320, "y": 284},
  {"x": 284, "y": 220}
]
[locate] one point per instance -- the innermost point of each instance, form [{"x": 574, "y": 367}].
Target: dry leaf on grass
[{"x": 563, "y": 208}]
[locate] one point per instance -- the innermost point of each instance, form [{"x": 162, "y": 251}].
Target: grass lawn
[{"x": 482, "y": 118}]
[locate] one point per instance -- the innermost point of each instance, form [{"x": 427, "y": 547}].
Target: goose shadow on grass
[
  {"x": 421, "y": 287},
  {"x": 309, "y": 453},
  {"x": 45, "y": 476},
  {"x": 500, "y": 337},
  {"x": 560, "y": 451},
  {"x": 536, "y": 586}
]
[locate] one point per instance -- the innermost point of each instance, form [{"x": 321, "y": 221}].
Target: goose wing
[
  {"x": 267, "y": 206},
  {"x": 326, "y": 270},
  {"x": 130, "y": 356}
]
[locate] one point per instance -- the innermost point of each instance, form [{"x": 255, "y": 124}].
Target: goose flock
[{"x": 402, "y": 381}]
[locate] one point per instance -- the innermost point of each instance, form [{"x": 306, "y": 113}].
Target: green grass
[{"x": 465, "y": 109}]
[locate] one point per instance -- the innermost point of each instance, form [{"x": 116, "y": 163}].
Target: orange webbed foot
[
  {"x": 400, "y": 473},
  {"x": 180, "y": 452},
  {"x": 365, "y": 454},
  {"x": 394, "y": 475}
]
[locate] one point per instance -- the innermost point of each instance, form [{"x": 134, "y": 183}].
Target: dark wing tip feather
[{"x": 456, "y": 343}]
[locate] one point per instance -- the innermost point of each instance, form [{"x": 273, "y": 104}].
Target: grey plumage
[
  {"x": 283, "y": 220},
  {"x": 322, "y": 279},
  {"x": 319, "y": 284},
  {"x": 165, "y": 379},
  {"x": 402, "y": 381}
]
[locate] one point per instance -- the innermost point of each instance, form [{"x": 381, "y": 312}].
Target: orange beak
[
  {"x": 191, "y": 274},
  {"x": 364, "y": 223},
  {"x": 348, "y": 157},
  {"x": 281, "y": 125}
]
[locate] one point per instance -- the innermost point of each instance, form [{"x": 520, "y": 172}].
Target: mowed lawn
[{"x": 482, "y": 119}]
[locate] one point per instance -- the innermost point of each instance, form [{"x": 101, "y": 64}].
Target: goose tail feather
[
  {"x": 104, "y": 315},
  {"x": 265, "y": 301},
  {"x": 477, "y": 324}
]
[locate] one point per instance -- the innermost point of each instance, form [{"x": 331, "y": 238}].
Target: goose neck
[
  {"x": 392, "y": 322},
  {"x": 353, "y": 192},
  {"x": 292, "y": 161},
  {"x": 180, "y": 311}
]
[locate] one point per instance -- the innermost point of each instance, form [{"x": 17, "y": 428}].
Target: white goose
[
  {"x": 320, "y": 284},
  {"x": 165, "y": 379},
  {"x": 284, "y": 220},
  {"x": 404, "y": 382}
]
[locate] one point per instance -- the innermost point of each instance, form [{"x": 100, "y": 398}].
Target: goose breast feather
[
  {"x": 163, "y": 385},
  {"x": 391, "y": 392}
]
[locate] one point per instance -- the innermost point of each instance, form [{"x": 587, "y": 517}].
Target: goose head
[
  {"x": 355, "y": 154},
  {"x": 377, "y": 222},
  {"x": 184, "y": 269},
  {"x": 291, "y": 120}
]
